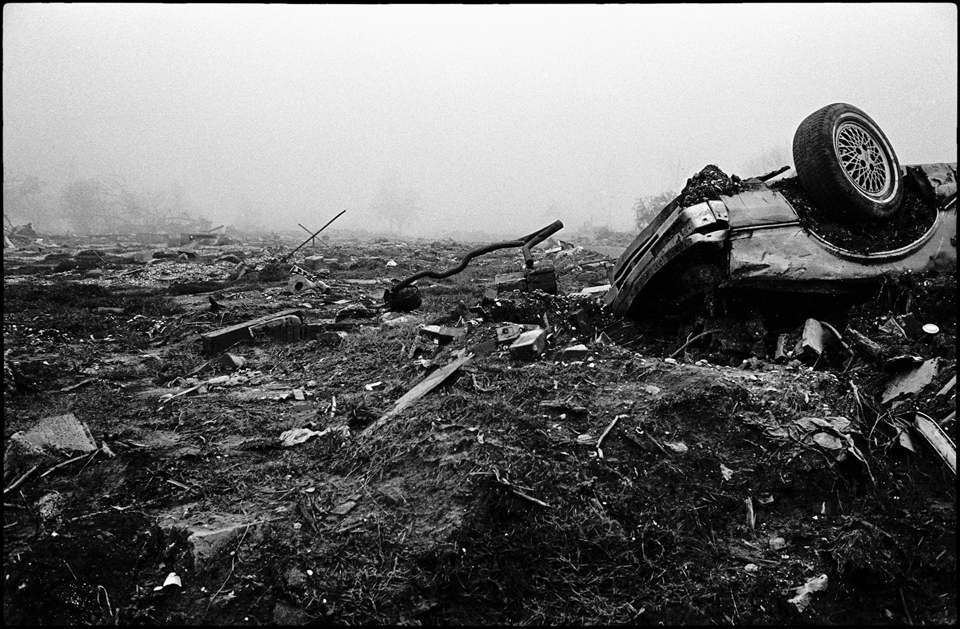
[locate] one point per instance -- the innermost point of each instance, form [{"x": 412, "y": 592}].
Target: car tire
[{"x": 846, "y": 164}]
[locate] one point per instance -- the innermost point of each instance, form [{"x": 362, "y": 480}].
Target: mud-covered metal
[
  {"x": 765, "y": 246},
  {"x": 405, "y": 296}
]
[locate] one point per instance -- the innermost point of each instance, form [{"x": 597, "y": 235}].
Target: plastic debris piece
[
  {"x": 931, "y": 328},
  {"x": 299, "y": 435},
  {"x": 805, "y": 591},
  {"x": 172, "y": 579}
]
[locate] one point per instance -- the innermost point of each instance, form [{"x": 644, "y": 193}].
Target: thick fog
[{"x": 493, "y": 118}]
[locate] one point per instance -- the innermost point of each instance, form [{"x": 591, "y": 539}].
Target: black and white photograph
[{"x": 480, "y": 314}]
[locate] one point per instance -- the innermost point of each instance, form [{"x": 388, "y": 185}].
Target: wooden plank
[
  {"x": 223, "y": 338},
  {"x": 425, "y": 386}
]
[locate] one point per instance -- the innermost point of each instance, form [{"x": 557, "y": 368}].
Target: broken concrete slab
[
  {"x": 50, "y": 437},
  {"x": 530, "y": 344},
  {"x": 211, "y": 533},
  {"x": 232, "y": 361},
  {"x": 219, "y": 340},
  {"x": 575, "y": 352},
  {"x": 298, "y": 283}
]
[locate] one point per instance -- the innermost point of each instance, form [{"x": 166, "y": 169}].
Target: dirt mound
[
  {"x": 709, "y": 183},
  {"x": 911, "y": 221}
]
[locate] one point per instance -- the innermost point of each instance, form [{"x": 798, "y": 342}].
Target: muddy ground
[{"x": 615, "y": 485}]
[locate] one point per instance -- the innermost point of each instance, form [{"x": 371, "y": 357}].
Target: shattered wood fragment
[
  {"x": 425, "y": 386},
  {"x": 947, "y": 387},
  {"x": 604, "y": 434},
  {"x": 563, "y": 407},
  {"x": 812, "y": 341},
  {"x": 865, "y": 345}
]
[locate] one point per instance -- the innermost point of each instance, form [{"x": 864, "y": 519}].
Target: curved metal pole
[{"x": 526, "y": 243}]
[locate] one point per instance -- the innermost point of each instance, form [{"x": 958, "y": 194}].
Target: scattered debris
[{"x": 806, "y": 591}]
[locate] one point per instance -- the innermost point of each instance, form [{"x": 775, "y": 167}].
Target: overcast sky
[{"x": 501, "y": 117}]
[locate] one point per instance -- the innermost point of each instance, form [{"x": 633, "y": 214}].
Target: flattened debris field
[{"x": 224, "y": 434}]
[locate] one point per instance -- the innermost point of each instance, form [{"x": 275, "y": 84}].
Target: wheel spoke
[{"x": 862, "y": 158}]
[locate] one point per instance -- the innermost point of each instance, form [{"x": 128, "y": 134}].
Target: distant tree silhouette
[{"x": 397, "y": 206}]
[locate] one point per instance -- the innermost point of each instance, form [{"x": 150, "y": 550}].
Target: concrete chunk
[
  {"x": 575, "y": 352},
  {"x": 61, "y": 432},
  {"x": 530, "y": 344}
]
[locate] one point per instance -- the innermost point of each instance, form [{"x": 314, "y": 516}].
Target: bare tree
[
  {"x": 398, "y": 206},
  {"x": 646, "y": 207},
  {"x": 22, "y": 198}
]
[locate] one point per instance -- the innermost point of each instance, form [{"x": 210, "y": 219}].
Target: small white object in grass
[
  {"x": 296, "y": 526},
  {"x": 931, "y": 328},
  {"x": 172, "y": 579}
]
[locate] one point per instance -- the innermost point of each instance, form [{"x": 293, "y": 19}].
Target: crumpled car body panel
[{"x": 767, "y": 248}]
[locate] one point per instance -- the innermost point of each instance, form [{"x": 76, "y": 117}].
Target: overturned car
[{"x": 843, "y": 217}]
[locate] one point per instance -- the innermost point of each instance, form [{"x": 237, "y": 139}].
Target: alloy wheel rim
[{"x": 862, "y": 159}]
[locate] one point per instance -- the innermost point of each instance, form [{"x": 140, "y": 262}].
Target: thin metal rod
[{"x": 312, "y": 236}]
